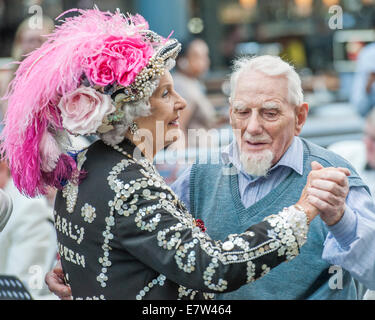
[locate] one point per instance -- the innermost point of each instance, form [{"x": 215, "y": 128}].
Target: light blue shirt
[
  {"x": 350, "y": 243},
  {"x": 359, "y": 98}
]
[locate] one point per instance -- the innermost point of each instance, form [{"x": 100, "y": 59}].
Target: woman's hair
[{"x": 272, "y": 66}]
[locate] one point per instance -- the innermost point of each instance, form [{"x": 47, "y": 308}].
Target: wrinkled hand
[
  {"x": 327, "y": 191},
  {"x": 310, "y": 210},
  {"x": 55, "y": 282}
]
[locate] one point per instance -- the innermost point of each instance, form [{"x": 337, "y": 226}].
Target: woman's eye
[{"x": 165, "y": 93}]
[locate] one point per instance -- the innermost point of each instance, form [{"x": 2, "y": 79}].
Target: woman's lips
[{"x": 175, "y": 122}]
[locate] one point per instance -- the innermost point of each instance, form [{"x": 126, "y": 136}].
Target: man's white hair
[{"x": 271, "y": 66}]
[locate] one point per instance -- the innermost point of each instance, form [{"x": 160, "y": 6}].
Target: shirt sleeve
[
  {"x": 154, "y": 226},
  {"x": 181, "y": 187},
  {"x": 350, "y": 243}
]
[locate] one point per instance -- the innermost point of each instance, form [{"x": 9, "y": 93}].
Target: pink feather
[
  {"x": 49, "y": 152},
  {"x": 63, "y": 171},
  {"x": 41, "y": 80}
]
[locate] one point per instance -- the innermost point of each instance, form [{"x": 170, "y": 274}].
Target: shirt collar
[{"x": 292, "y": 158}]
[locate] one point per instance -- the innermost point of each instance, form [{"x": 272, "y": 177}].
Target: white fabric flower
[{"x": 83, "y": 110}]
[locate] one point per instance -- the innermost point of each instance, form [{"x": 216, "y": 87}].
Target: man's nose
[{"x": 254, "y": 125}]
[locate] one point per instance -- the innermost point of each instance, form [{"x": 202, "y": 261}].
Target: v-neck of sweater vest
[{"x": 259, "y": 206}]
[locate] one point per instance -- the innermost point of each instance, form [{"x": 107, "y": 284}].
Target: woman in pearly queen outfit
[{"x": 122, "y": 232}]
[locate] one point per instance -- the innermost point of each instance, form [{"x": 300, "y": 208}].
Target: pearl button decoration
[
  {"x": 228, "y": 245},
  {"x": 147, "y": 200}
]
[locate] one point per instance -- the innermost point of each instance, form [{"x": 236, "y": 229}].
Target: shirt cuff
[{"x": 344, "y": 231}]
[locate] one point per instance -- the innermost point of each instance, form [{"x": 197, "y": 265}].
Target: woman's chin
[{"x": 174, "y": 140}]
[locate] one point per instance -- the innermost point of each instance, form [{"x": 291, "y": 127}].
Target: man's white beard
[{"x": 257, "y": 164}]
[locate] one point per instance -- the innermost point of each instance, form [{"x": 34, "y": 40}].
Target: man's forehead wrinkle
[
  {"x": 259, "y": 101},
  {"x": 261, "y": 84}
]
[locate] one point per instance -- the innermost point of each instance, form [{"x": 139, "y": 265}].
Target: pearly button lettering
[{"x": 228, "y": 245}]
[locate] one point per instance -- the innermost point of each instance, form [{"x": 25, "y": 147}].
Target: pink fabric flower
[
  {"x": 119, "y": 60},
  {"x": 83, "y": 110},
  {"x": 102, "y": 72}
]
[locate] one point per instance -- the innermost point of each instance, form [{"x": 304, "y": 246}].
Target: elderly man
[
  {"x": 265, "y": 170},
  {"x": 272, "y": 164}
]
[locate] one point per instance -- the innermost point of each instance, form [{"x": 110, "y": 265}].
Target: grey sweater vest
[{"x": 215, "y": 198}]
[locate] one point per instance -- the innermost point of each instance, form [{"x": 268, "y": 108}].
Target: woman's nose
[{"x": 180, "y": 102}]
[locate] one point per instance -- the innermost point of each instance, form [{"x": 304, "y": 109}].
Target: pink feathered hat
[{"x": 76, "y": 81}]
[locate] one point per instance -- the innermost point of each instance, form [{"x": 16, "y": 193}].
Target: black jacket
[{"x": 123, "y": 234}]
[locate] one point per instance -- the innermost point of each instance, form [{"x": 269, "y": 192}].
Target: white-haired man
[{"x": 271, "y": 165}]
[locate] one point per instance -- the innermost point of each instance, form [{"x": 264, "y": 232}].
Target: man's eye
[
  {"x": 245, "y": 112},
  {"x": 270, "y": 114}
]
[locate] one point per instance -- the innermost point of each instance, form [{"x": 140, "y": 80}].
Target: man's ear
[
  {"x": 301, "y": 116},
  {"x": 230, "y": 110}
]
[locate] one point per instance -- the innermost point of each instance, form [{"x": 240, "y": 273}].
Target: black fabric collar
[{"x": 129, "y": 147}]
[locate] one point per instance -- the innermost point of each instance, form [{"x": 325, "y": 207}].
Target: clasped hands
[{"x": 325, "y": 193}]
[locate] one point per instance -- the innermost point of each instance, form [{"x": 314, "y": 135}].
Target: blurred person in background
[
  {"x": 233, "y": 35},
  {"x": 27, "y": 38},
  {"x": 362, "y": 155},
  {"x": 28, "y": 243},
  {"x": 191, "y": 65},
  {"x": 363, "y": 89}
]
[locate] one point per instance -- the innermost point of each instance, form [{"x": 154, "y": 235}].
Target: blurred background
[
  {"x": 322, "y": 42},
  {"x": 321, "y": 38}
]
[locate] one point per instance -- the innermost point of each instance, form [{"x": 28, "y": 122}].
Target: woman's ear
[{"x": 301, "y": 116}]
